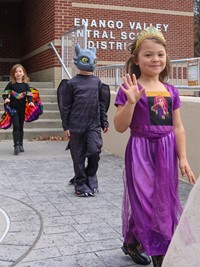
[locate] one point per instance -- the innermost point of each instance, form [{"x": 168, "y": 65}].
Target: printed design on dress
[{"x": 160, "y": 108}]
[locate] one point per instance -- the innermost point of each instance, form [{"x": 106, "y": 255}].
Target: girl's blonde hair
[
  {"x": 25, "y": 78},
  {"x": 132, "y": 68}
]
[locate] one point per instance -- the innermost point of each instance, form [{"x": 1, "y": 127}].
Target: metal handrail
[
  {"x": 179, "y": 79},
  {"x": 112, "y": 74},
  {"x": 51, "y": 45}
]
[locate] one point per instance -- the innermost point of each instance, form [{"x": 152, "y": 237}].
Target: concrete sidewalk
[{"x": 49, "y": 225}]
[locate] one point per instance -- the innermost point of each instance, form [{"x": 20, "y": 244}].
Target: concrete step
[
  {"x": 50, "y": 114},
  {"x": 43, "y": 123},
  {"x": 47, "y": 91},
  {"x": 50, "y": 106},
  {"x": 38, "y": 85},
  {"x": 33, "y": 133},
  {"x": 48, "y": 98}
]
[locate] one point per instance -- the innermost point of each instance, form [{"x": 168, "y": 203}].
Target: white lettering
[
  {"x": 119, "y": 24},
  {"x": 118, "y": 46},
  {"x": 111, "y": 45},
  {"x": 96, "y": 34},
  {"x": 103, "y": 45},
  {"x": 102, "y": 24},
  {"x": 111, "y": 35},
  {"x": 131, "y": 35},
  {"x": 76, "y": 22},
  {"x": 108, "y": 45},
  {"x": 104, "y": 35},
  {"x": 93, "y": 23},
  {"x": 132, "y": 25},
  {"x": 84, "y": 21},
  {"x": 90, "y": 44},
  {"x": 123, "y": 35},
  {"x": 159, "y": 27},
  {"x": 88, "y": 33},
  {"x": 138, "y": 26},
  {"x": 111, "y": 24},
  {"x": 79, "y": 33},
  {"x": 97, "y": 45},
  {"x": 165, "y": 27}
]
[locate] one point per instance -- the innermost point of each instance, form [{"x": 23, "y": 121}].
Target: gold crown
[{"x": 150, "y": 32}]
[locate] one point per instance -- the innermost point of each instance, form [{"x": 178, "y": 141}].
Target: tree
[{"x": 197, "y": 28}]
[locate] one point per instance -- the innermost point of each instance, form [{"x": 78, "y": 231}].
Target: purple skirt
[{"x": 151, "y": 206}]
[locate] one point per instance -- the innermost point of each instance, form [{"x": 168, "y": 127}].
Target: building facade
[{"x": 27, "y": 27}]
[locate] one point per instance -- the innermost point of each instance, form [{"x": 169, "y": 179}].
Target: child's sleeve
[
  {"x": 121, "y": 98},
  {"x": 29, "y": 94},
  {"x": 104, "y": 102},
  {"x": 65, "y": 97},
  {"x": 6, "y": 91},
  {"x": 176, "y": 98}
]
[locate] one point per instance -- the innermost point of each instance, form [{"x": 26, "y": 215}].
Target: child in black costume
[
  {"x": 83, "y": 114},
  {"x": 16, "y": 93}
]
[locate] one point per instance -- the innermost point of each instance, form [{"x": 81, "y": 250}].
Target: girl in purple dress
[{"x": 151, "y": 206}]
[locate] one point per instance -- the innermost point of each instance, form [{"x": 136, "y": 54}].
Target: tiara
[{"x": 150, "y": 32}]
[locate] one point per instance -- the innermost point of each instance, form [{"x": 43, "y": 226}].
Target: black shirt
[
  {"x": 82, "y": 106},
  {"x": 11, "y": 89}
]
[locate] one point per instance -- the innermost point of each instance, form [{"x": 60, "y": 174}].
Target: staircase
[{"x": 49, "y": 123}]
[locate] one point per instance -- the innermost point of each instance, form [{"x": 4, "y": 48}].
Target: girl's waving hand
[{"x": 131, "y": 89}]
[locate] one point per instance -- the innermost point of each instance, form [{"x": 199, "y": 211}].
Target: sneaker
[
  {"x": 83, "y": 194},
  {"x": 94, "y": 190},
  {"x": 134, "y": 251},
  {"x": 83, "y": 191},
  {"x": 92, "y": 183}
]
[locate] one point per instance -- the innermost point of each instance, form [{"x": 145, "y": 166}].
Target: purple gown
[{"x": 151, "y": 206}]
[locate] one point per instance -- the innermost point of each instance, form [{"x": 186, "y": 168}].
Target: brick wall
[
  {"x": 49, "y": 20},
  {"x": 38, "y": 24},
  {"x": 10, "y": 43},
  {"x": 179, "y": 5},
  {"x": 38, "y": 29}
]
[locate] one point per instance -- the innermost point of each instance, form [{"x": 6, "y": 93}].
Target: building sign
[
  {"x": 110, "y": 34},
  {"x": 193, "y": 70}
]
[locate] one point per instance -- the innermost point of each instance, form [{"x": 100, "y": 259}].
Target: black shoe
[
  {"x": 83, "y": 191},
  {"x": 95, "y": 190},
  {"x": 83, "y": 194},
  {"x": 21, "y": 149},
  {"x": 92, "y": 183},
  {"x": 136, "y": 255},
  {"x": 16, "y": 150},
  {"x": 157, "y": 260}
]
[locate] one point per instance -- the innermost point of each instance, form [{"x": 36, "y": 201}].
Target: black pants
[
  {"x": 18, "y": 127},
  {"x": 85, "y": 145}
]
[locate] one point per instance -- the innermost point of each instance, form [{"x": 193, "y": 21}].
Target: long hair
[
  {"x": 132, "y": 68},
  {"x": 25, "y": 78},
  {"x": 157, "y": 98}
]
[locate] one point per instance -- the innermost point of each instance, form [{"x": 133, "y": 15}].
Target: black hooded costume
[{"x": 83, "y": 102}]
